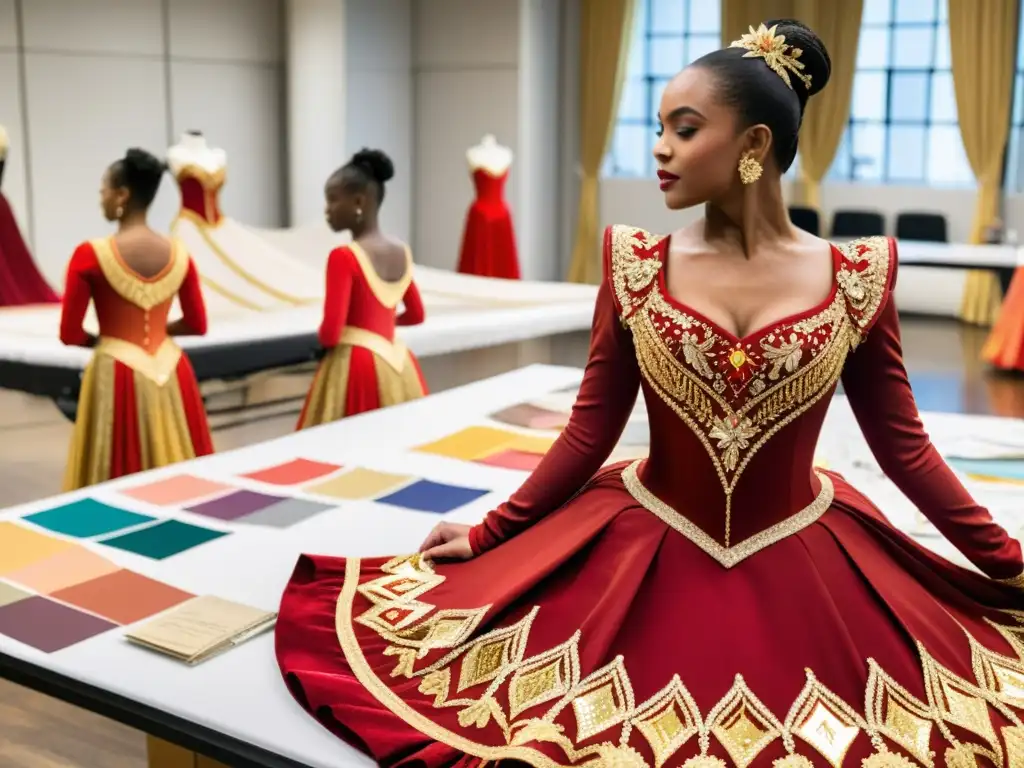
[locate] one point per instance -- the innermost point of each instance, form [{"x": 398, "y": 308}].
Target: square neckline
[{"x": 790, "y": 319}]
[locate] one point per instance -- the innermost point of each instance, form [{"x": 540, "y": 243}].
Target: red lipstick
[{"x": 667, "y": 179}]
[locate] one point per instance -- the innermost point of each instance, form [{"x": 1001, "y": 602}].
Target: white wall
[
  {"x": 82, "y": 80},
  {"x": 379, "y": 104}
]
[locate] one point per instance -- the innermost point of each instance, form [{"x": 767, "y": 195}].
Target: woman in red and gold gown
[
  {"x": 723, "y": 602},
  {"x": 139, "y": 406},
  {"x": 365, "y": 366}
]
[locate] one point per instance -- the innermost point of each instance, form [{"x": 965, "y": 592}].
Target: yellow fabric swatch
[
  {"x": 9, "y": 594},
  {"x": 358, "y": 483},
  {"x": 530, "y": 444},
  {"x": 21, "y": 547},
  {"x": 471, "y": 443}
]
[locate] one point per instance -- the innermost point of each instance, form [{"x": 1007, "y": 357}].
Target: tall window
[
  {"x": 1015, "y": 148},
  {"x": 667, "y": 35},
  {"x": 903, "y": 122}
]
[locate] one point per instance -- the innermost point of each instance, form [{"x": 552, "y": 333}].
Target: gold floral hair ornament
[{"x": 783, "y": 59}]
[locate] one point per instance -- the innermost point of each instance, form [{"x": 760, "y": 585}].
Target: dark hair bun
[
  {"x": 376, "y": 163},
  {"x": 814, "y": 54},
  {"x": 140, "y": 166}
]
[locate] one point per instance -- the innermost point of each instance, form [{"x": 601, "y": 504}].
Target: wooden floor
[{"x": 36, "y": 732}]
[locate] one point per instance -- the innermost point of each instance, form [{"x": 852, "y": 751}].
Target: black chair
[
  {"x": 805, "y": 218},
  {"x": 857, "y": 224},
  {"x": 930, "y": 227}
]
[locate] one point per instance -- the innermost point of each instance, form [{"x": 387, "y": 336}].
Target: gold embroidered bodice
[
  {"x": 731, "y": 396},
  {"x": 200, "y": 193}
]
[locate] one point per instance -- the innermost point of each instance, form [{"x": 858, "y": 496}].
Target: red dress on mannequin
[
  {"x": 719, "y": 603},
  {"x": 20, "y": 279},
  {"x": 365, "y": 366},
  {"x": 139, "y": 406},
  {"x": 489, "y": 242}
]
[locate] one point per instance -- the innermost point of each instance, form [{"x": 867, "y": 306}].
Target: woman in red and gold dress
[
  {"x": 723, "y": 602},
  {"x": 139, "y": 406},
  {"x": 365, "y": 366}
]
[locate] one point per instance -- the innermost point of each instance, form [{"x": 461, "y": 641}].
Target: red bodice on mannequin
[
  {"x": 489, "y": 241},
  {"x": 721, "y": 603},
  {"x": 200, "y": 192}
]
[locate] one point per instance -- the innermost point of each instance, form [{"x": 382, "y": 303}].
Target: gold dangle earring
[
  {"x": 750, "y": 169},
  {"x": 359, "y": 215},
  {"x": 119, "y": 213}
]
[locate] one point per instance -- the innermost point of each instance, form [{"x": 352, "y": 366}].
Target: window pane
[
  {"x": 947, "y": 160},
  {"x": 667, "y": 16},
  {"x": 942, "y": 56},
  {"x": 841, "y": 169},
  {"x": 917, "y": 10},
  {"x": 869, "y": 96},
  {"x": 637, "y": 52},
  {"x": 705, "y": 16},
  {"x": 1018, "y": 101},
  {"x": 943, "y": 98},
  {"x": 666, "y": 56},
  {"x": 868, "y": 151},
  {"x": 909, "y": 98},
  {"x": 634, "y": 99},
  {"x": 913, "y": 47},
  {"x": 655, "y": 90},
  {"x": 1014, "y": 166},
  {"x": 943, "y": 11},
  {"x": 873, "y": 48},
  {"x": 698, "y": 45},
  {"x": 631, "y": 148},
  {"x": 876, "y": 12},
  {"x": 906, "y": 153}
]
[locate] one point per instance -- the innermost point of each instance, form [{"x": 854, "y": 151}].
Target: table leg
[{"x": 163, "y": 754}]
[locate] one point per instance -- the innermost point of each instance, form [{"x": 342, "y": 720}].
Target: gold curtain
[
  {"x": 737, "y": 15},
  {"x": 838, "y": 25},
  {"x": 606, "y": 27},
  {"x": 983, "y": 39}
]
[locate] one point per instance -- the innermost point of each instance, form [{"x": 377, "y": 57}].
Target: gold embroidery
[
  {"x": 143, "y": 293},
  {"x": 606, "y": 717},
  {"x": 388, "y": 292},
  {"x": 728, "y": 556},
  {"x": 1016, "y": 581},
  {"x": 158, "y": 367},
  {"x": 732, "y": 394}
]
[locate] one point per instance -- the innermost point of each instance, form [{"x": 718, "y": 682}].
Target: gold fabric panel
[
  {"x": 144, "y": 294},
  {"x": 388, "y": 293},
  {"x": 545, "y": 690},
  {"x": 92, "y": 437},
  {"x": 327, "y": 395},
  {"x": 158, "y": 367}
]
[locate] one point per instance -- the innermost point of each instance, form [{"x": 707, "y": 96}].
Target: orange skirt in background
[
  {"x": 1004, "y": 347},
  {"x": 135, "y": 412},
  {"x": 363, "y": 372}
]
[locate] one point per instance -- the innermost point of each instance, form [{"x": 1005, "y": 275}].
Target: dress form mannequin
[
  {"x": 488, "y": 243},
  {"x": 199, "y": 170},
  {"x": 489, "y": 156}
]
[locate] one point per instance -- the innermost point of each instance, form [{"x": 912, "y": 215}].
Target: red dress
[
  {"x": 1004, "y": 347},
  {"x": 489, "y": 242},
  {"x": 139, "y": 406},
  {"x": 365, "y": 366},
  {"x": 720, "y": 603},
  {"x": 20, "y": 279}
]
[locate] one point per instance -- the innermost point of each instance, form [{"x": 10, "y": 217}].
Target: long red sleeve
[
  {"x": 605, "y": 401},
  {"x": 876, "y": 384},
  {"x": 413, "y": 314},
  {"x": 190, "y": 296},
  {"x": 336, "y": 296},
  {"x": 77, "y": 294}
]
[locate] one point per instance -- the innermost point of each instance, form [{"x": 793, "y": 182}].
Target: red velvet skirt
[{"x": 603, "y": 637}]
